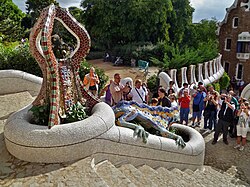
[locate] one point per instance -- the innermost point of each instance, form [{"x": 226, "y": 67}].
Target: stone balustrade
[{"x": 208, "y": 72}]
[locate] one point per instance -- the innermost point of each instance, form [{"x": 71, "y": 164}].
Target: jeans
[
  {"x": 184, "y": 115},
  {"x": 211, "y": 117}
]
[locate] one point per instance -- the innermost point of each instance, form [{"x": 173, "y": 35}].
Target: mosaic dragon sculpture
[{"x": 157, "y": 118}]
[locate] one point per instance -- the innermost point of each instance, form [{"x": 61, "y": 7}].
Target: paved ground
[
  {"x": 224, "y": 157},
  {"x": 125, "y": 71}
]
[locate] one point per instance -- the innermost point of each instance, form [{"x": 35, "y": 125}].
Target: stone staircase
[{"x": 128, "y": 175}]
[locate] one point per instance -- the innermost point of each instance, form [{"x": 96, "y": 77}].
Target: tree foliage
[
  {"x": 180, "y": 19},
  {"x": 10, "y": 21},
  {"x": 34, "y": 8},
  {"x": 121, "y": 22},
  {"x": 76, "y": 13}
]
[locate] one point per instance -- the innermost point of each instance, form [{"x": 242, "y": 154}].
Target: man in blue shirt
[{"x": 198, "y": 105}]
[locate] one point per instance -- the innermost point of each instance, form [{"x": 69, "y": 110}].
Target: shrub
[
  {"x": 40, "y": 114},
  {"x": 19, "y": 58},
  {"x": 152, "y": 83},
  {"x": 224, "y": 81},
  {"x": 216, "y": 86},
  {"x": 76, "y": 112}
]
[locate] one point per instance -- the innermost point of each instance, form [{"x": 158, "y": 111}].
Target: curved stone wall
[
  {"x": 96, "y": 136},
  {"x": 13, "y": 81}
]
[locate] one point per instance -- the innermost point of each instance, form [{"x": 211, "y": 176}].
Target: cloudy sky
[{"x": 204, "y": 9}]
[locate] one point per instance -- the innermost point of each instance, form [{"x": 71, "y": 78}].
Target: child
[
  {"x": 184, "y": 104},
  {"x": 154, "y": 102},
  {"x": 242, "y": 126}
]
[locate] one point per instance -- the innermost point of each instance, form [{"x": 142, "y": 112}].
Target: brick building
[{"x": 234, "y": 40}]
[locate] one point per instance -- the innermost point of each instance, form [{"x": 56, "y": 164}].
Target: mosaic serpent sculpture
[
  {"x": 62, "y": 86},
  {"x": 149, "y": 117}
]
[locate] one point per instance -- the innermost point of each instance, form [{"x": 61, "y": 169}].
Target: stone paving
[{"x": 14, "y": 172}]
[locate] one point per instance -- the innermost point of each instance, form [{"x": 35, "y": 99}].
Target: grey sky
[{"x": 204, "y": 9}]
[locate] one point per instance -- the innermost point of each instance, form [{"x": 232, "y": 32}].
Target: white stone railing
[
  {"x": 246, "y": 92},
  {"x": 205, "y": 75}
]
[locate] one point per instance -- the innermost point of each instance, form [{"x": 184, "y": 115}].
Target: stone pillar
[
  {"x": 193, "y": 77},
  {"x": 206, "y": 70},
  {"x": 206, "y": 81},
  {"x": 174, "y": 74},
  {"x": 200, "y": 73},
  {"x": 211, "y": 72},
  {"x": 184, "y": 75}
]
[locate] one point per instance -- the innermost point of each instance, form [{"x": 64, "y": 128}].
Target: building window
[
  {"x": 243, "y": 47},
  {"x": 226, "y": 67},
  {"x": 235, "y": 22},
  {"x": 239, "y": 71},
  {"x": 228, "y": 44}
]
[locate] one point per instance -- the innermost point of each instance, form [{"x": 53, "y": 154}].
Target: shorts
[
  {"x": 92, "y": 88},
  {"x": 241, "y": 131},
  {"x": 197, "y": 114}
]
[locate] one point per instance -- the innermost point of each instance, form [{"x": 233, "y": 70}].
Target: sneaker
[
  {"x": 208, "y": 131},
  {"x": 237, "y": 146},
  {"x": 241, "y": 148},
  {"x": 198, "y": 124},
  {"x": 225, "y": 142}
]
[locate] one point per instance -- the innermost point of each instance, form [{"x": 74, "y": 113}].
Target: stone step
[
  {"x": 136, "y": 176},
  {"x": 189, "y": 171},
  {"x": 86, "y": 170},
  {"x": 154, "y": 176},
  {"x": 112, "y": 175},
  {"x": 199, "y": 177},
  {"x": 211, "y": 177},
  {"x": 222, "y": 177},
  {"x": 173, "y": 178},
  {"x": 80, "y": 173},
  {"x": 187, "y": 177}
]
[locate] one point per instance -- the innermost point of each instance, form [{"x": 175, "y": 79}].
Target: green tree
[
  {"x": 180, "y": 19},
  {"x": 201, "y": 32},
  {"x": 121, "y": 22},
  {"x": 10, "y": 21},
  {"x": 34, "y": 7},
  {"x": 76, "y": 13}
]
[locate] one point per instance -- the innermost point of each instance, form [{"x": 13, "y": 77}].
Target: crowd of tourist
[{"x": 223, "y": 113}]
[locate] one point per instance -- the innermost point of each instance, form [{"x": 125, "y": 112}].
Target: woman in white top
[{"x": 242, "y": 126}]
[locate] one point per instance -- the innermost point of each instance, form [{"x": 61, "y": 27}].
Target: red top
[{"x": 184, "y": 101}]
